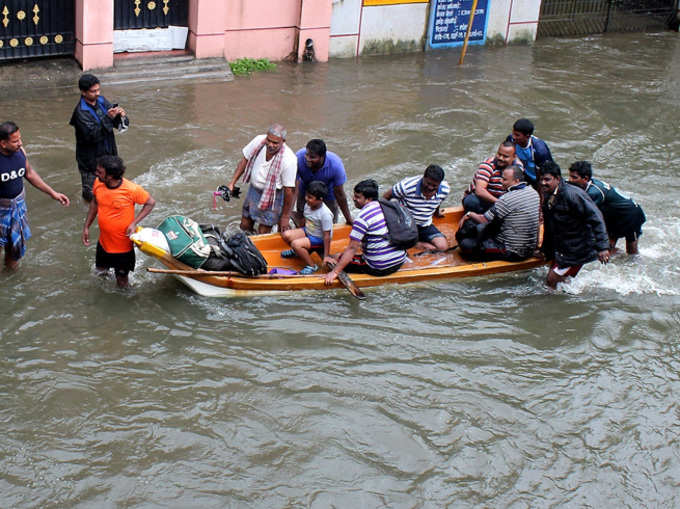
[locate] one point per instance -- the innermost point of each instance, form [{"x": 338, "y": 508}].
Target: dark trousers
[
  {"x": 478, "y": 242},
  {"x": 474, "y": 203},
  {"x": 487, "y": 249}
]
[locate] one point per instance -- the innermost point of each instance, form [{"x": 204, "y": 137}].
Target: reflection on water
[{"x": 484, "y": 392}]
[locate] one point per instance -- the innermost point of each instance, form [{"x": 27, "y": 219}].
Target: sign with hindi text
[{"x": 449, "y": 22}]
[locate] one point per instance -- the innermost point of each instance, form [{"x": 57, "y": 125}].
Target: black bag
[
  {"x": 401, "y": 227},
  {"x": 471, "y": 235},
  {"x": 237, "y": 253},
  {"x": 217, "y": 260},
  {"x": 244, "y": 256}
]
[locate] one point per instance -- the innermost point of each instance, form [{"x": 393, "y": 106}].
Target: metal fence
[
  {"x": 149, "y": 13},
  {"x": 581, "y": 17},
  {"x": 34, "y": 28}
]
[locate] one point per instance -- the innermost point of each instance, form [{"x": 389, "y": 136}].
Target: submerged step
[
  {"x": 215, "y": 76},
  {"x": 139, "y": 70}
]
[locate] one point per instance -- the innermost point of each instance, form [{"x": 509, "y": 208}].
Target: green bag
[{"x": 186, "y": 240}]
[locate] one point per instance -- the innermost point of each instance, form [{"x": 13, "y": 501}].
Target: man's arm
[
  {"x": 91, "y": 214},
  {"x": 288, "y": 198},
  {"x": 341, "y": 198},
  {"x": 37, "y": 182},
  {"x": 477, "y": 218},
  {"x": 547, "y": 246},
  {"x": 542, "y": 152},
  {"x": 594, "y": 218},
  {"x": 300, "y": 205},
  {"x": 327, "y": 247},
  {"x": 148, "y": 206},
  {"x": 113, "y": 115},
  {"x": 240, "y": 168},
  {"x": 482, "y": 192},
  {"x": 338, "y": 182},
  {"x": 345, "y": 258}
]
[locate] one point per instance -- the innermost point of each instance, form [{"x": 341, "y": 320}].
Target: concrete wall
[
  {"x": 513, "y": 20},
  {"x": 378, "y": 28},
  {"x": 275, "y": 28},
  {"x": 362, "y": 27},
  {"x": 219, "y": 28},
  {"x": 259, "y": 28}
]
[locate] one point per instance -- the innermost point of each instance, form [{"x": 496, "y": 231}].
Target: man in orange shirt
[{"x": 114, "y": 201}]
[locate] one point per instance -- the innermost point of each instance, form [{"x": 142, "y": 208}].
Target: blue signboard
[{"x": 449, "y": 21}]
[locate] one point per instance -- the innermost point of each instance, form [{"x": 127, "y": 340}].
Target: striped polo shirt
[
  {"x": 409, "y": 193},
  {"x": 370, "y": 229},
  {"x": 517, "y": 212},
  {"x": 493, "y": 176}
]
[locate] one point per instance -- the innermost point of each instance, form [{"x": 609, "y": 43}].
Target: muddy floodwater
[{"x": 487, "y": 392}]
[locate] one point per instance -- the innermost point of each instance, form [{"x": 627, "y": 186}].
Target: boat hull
[{"x": 419, "y": 268}]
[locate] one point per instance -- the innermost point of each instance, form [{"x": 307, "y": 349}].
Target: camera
[{"x": 226, "y": 195}]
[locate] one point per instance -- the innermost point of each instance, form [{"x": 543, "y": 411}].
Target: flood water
[{"x": 491, "y": 392}]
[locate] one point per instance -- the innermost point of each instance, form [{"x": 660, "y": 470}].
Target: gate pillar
[
  {"x": 94, "y": 33},
  {"x": 207, "y": 19}
]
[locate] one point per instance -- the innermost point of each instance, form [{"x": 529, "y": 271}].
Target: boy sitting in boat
[{"x": 317, "y": 229}]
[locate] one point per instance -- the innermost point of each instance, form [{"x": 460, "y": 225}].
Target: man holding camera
[
  {"x": 269, "y": 166},
  {"x": 94, "y": 119}
]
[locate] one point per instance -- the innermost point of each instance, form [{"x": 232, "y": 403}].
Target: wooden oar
[{"x": 347, "y": 282}]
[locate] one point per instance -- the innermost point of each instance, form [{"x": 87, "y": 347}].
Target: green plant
[{"x": 244, "y": 66}]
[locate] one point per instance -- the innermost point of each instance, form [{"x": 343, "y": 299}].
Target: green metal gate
[
  {"x": 581, "y": 17},
  {"x": 36, "y": 28}
]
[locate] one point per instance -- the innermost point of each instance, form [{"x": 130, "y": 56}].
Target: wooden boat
[{"x": 418, "y": 267}]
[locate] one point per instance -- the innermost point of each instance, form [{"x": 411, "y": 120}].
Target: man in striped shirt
[
  {"x": 369, "y": 234},
  {"x": 515, "y": 222},
  {"x": 422, "y": 196},
  {"x": 487, "y": 183}
]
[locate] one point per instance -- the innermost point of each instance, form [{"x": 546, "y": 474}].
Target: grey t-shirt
[{"x": 318, "y": 221}]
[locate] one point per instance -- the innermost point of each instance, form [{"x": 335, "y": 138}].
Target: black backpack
[
  {"x": 237, "y": 253},
  {"x": 401, "y": 227}
]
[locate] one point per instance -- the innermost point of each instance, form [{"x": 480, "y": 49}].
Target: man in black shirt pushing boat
[{"x": 574, "y": 229}]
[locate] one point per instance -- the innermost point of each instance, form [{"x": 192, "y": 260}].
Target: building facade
[{"x": 92, "y": 30}]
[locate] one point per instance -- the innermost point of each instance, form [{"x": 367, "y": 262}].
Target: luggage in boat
[
  {"x": 402, "y": 228},
  {"x": 237, "y": 253},
  {"x": 186, "y": 241}
]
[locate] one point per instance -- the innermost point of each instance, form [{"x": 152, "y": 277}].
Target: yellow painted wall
[{"x": 394, "y": 2}]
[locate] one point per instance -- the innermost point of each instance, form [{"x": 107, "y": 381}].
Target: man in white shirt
[{"x": 270, "y": 167}]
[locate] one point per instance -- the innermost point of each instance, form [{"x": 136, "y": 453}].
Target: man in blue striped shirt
[{"x": 422, "y": 196}]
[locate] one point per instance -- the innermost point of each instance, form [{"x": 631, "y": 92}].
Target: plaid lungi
[{"x": 14, "y": 229}]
